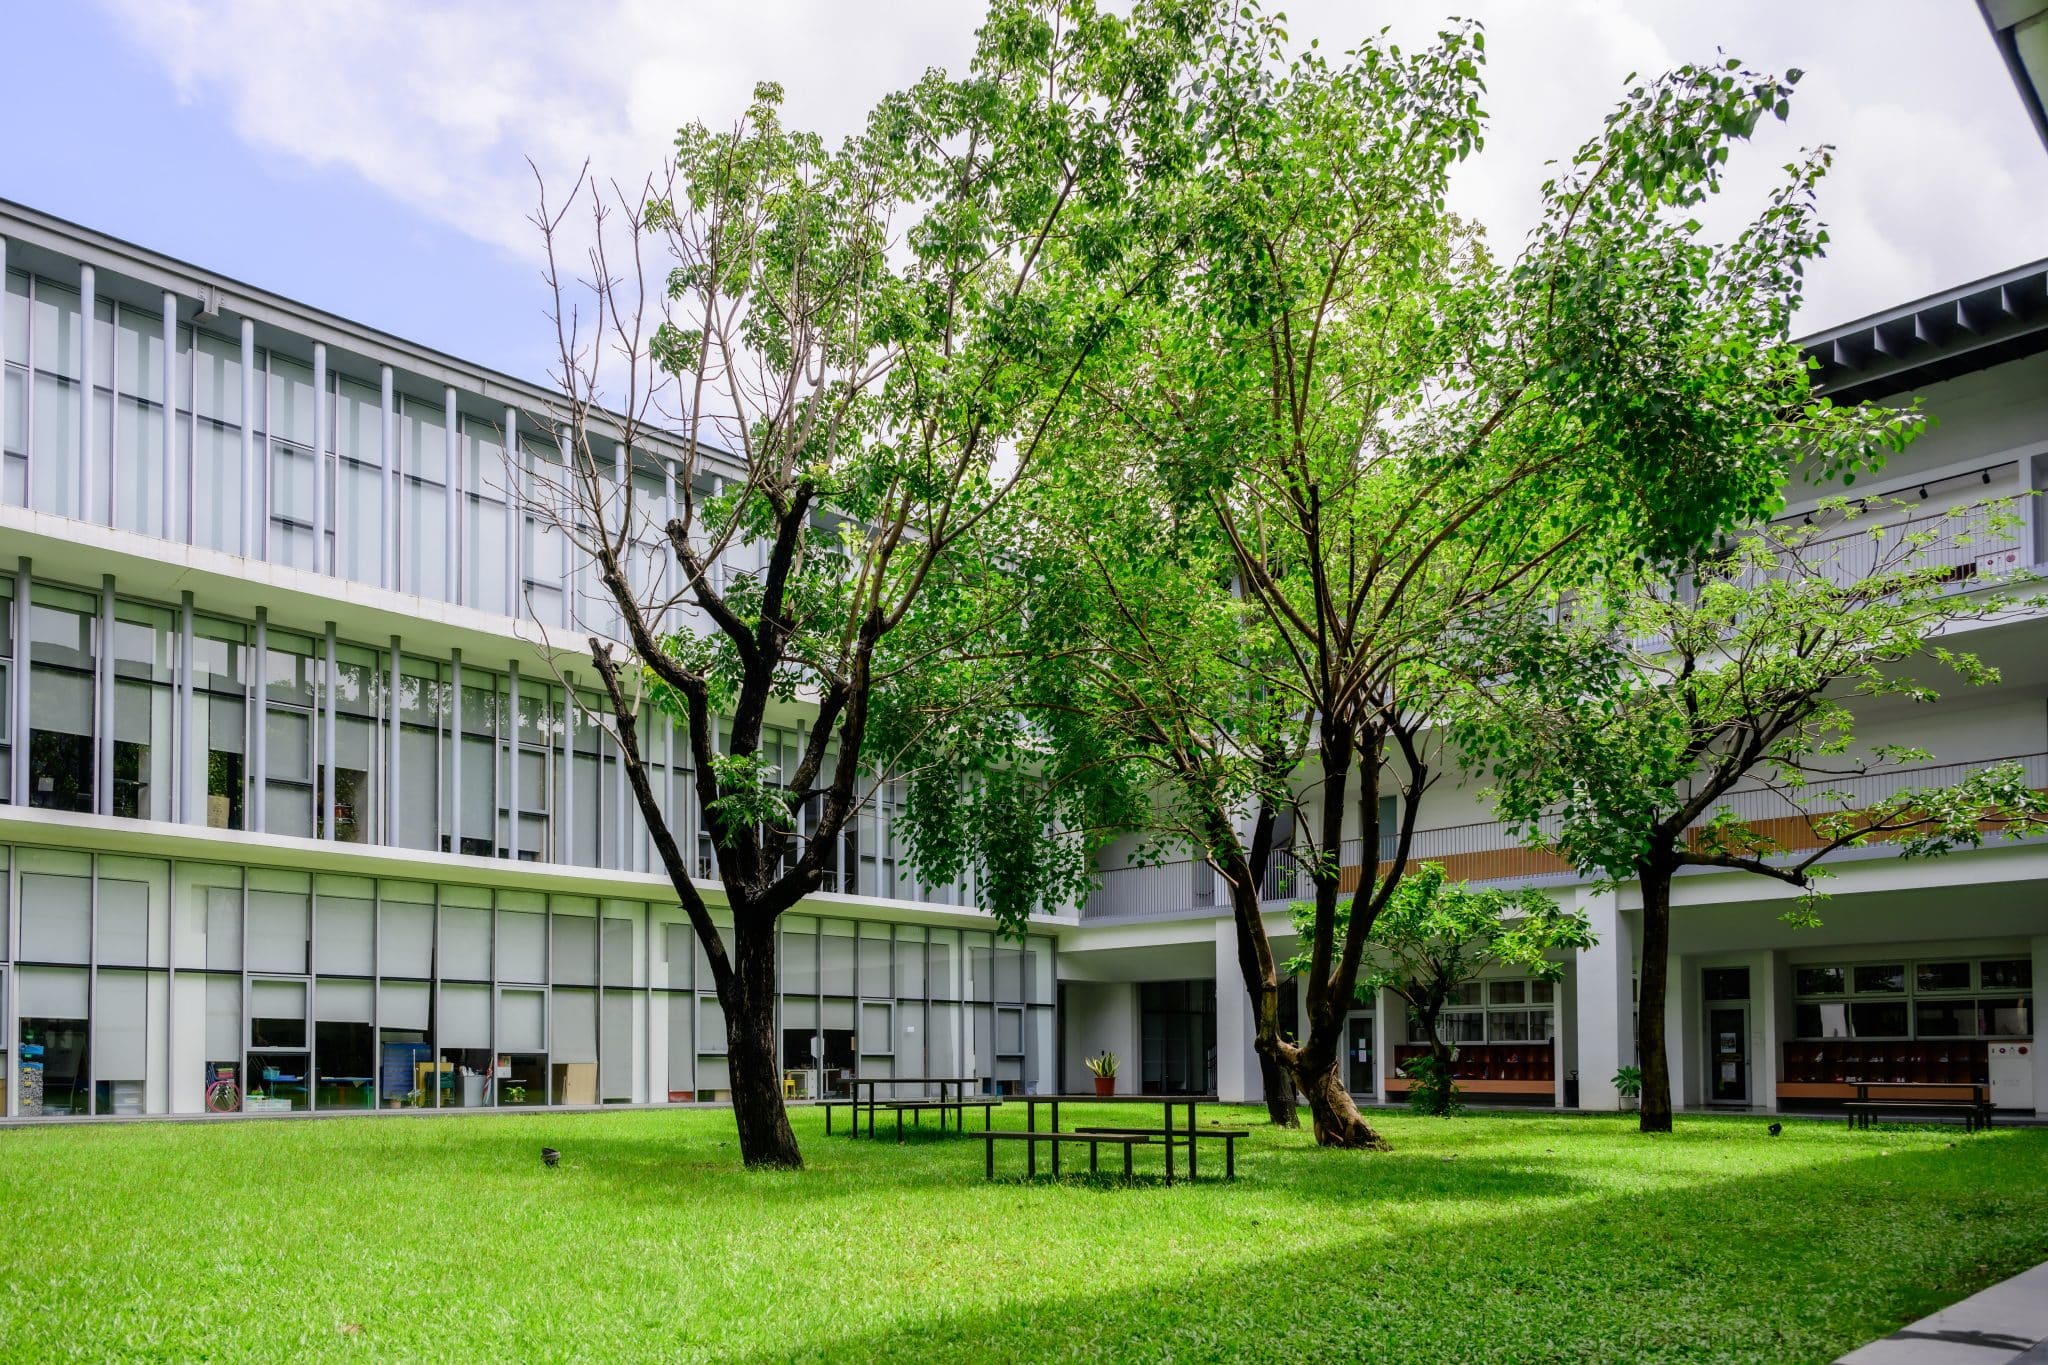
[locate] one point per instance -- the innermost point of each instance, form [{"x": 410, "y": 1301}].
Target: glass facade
[
  {"x": 138, "y": 985},
  {"x": 282, "y": 453},
  {"x": 145, "y": 710},
  {"x": 1909, "y": 1000}
]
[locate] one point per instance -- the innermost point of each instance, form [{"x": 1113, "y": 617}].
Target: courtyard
[{"x": 1484, "y": 1237}]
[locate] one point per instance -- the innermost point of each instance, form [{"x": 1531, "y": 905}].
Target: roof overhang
[
  {"x": 1972, "y": 327},
  {"x": 2020, "y": 28}
]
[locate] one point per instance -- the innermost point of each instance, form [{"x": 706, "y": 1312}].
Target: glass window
[
  {"x": 359, "y": 523},
  {"x": 1819, "y": 981},
  {"x": 1941, "y": 976},
  {"x": 1945, "y": 1018},
  {"x": 1822, "y": 1021},
  {"x": 278, "y": 925},
  {"x": 423, "y": 500},
  {"x": 277, "y": 1013},
  {"x": 54, "y": 1058},
  {"x": 1505, "y": 992},
  {"x": 1874, "y": 978},
  {"x": 2007, "y": 974},
  {"x": 2004, "y": 1018},
  {"x": 1878, "y": 1018},
  {"x": 56, "y": 914},
  {"x": 63, "y": 640},
  {"x": 422, "y": 710},
  {"x": 220, "y": 716},
  {"x": 1725, "y": 983},
  {"x": 145, "y": 648},
  {"x": 405, "y": 947}
]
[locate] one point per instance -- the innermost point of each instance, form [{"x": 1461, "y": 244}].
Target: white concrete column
[
  {"x": 169, "y": 460},
  {"x": 1683, "y": 1043},
  {"x": 1389, "y": 1030},
  {"x": 387, "y": 430},
  {"x": 2039, "y": 1051},
  {"x": 1765, "y": 1029},
  {"x": 515, "y": 515},
  {"x": 321, "y": 562},
  {"x": 451, "y": 571},
  {"x": 1237, "y": 1060},
  {"x": 1605, "y": 1000},
  {"x": 87, "y": 386},
  {"x": 252, "y": 543},
  {"x": 391, "y": 724},
  {"x": 3, "y": 392},
  {"x": 1562, "y": 1057}
]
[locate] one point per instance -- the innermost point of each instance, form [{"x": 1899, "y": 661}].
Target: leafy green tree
[
  {"x": 1707, "y": 719},
  {"x": 877, "y": 336},
  {"x": 1436, "y": 936},
  {"x": 1364, "y": 431}
]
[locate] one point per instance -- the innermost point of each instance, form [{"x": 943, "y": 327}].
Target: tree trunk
[
  {"x": 751, "y": 1054},
  {"x": 1651, "y": 1053},
  {"x": 1337, "y": 1120},
  {"x": 1440, "y": 1053},
  {"x": 1282, "y": 1110}
]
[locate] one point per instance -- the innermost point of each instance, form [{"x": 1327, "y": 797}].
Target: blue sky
[{"x": 369, "y": 158}]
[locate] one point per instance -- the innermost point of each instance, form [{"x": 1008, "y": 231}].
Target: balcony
[{"x": 1487, "y": 852}]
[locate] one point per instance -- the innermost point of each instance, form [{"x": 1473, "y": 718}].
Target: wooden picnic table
[
  {"x": 1166, "y": 1129},
  {"x": 958, "y": 1085}
]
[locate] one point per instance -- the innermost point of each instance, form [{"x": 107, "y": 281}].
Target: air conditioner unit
[{"x": 1999, "y": 564}]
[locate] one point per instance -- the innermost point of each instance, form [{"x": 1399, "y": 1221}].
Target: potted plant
[
  {"x": 1629, "y": 1083},
  {"x": 1103, "y": 1067}
]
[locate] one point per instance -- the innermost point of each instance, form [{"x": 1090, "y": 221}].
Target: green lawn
[{"x": 1480, "y": 1238}]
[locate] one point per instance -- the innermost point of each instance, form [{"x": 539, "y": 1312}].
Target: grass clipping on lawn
[{"x": 1483, "y": 1237}]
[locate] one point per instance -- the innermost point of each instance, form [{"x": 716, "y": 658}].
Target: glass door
[
  {"x": 1728, "y": 1054},
  {"x": 1358, "y": 1055}
]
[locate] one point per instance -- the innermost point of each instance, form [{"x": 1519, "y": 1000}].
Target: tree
[
  {"x": 877, "y": 336},
  {"x": 1435, "y": 937},
  {"x": 1386, "y": 432},
  {"x": 1706, "y": 720}
]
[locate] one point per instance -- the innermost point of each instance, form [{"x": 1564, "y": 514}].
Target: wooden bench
[
  {"x": 958, "y": 1108},
  {"x": 1030, "y": 1139},
  {"x": 1973, "y": 1114},
  {"x": 1227, "y": 1136}
]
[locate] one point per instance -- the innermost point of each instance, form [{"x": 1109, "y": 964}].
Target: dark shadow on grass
[{"x": 1725, "y": 1270}]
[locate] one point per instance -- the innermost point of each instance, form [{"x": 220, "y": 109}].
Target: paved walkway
[{"x": 2006, "y": 1323}]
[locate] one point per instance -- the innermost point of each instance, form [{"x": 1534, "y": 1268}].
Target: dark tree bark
[
  {"x": 1282, "y": 1111},
  {"x": 1338, "y": 1123},
  {"x": 751, "y": 1054},
  {"x": 1652, "y": 1053}
]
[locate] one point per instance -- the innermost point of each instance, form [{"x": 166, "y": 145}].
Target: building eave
[{"x": 1971, "y": 327}]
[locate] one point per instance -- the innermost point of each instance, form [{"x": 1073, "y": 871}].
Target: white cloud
[{"x": 1938, "y": 173}]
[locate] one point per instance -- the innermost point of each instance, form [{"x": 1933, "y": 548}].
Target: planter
[
  {"x": 1105, "y": 1086},
  {"x": 1631, "y": 1103}
]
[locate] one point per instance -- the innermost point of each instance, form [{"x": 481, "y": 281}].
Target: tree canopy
[{"x": 1706, "y": 718}]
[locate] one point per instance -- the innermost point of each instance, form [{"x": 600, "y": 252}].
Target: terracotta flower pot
[{"x": 1105, "y": 1085}]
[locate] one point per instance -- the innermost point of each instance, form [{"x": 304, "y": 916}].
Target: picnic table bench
[
  {"x": 1167, "y": 1135},
  {"x": 1966, "y": 1100},
  {"x": 1227, "y": 1136},
  {"x": 952, "y": 1096},
  {"x": 1031, "y": 1139}
]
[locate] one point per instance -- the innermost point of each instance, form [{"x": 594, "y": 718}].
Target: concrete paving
[{"x": 2007, "y": 1322}]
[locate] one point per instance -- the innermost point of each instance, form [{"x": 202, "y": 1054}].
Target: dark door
[
  {"x": 1358, "y": 1055},
  {"x": 1728, "y": 1054}
]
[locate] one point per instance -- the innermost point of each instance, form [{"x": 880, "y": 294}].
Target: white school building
[{"x": 296, "y": 817}]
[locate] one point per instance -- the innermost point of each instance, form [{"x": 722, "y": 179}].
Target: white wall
[{"x": 1101, "y": 1017}]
